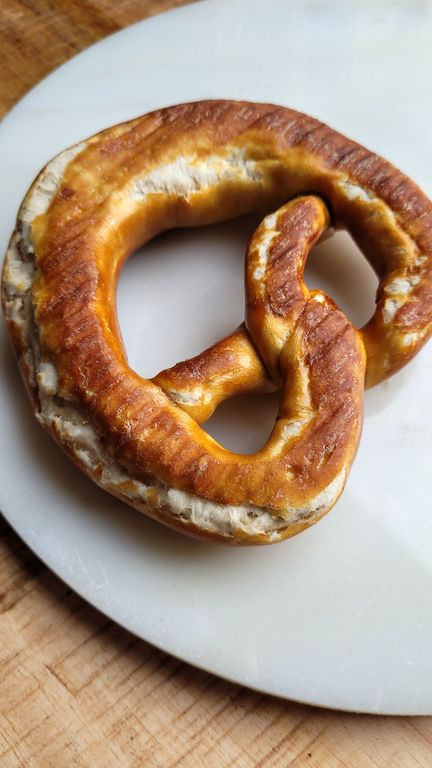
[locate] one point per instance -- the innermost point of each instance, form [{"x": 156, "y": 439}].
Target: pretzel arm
[{"x": 229, "y": 367}]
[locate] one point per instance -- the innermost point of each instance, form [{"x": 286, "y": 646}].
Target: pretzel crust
[{"x": 186, "y": 166}]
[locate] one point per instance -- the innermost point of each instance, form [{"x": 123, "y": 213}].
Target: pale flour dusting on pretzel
[{"x": 190, "y": 165}]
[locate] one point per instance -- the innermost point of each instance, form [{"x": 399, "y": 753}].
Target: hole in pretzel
[
  {"x": 182, "y": 292},
  {"x": 338, "y": 267},
  {"x": 243, "y": 423}
]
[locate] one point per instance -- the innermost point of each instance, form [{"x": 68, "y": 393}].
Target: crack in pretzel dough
[{"x": 187, "y": 175}]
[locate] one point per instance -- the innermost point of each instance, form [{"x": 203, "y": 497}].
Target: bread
[{"x": 190, "y": 165}]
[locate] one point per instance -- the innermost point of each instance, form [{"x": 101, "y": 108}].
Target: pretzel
[{"x": 190, "y": 165}]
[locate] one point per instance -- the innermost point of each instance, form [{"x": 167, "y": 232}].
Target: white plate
[{"x": 340, "y": 616}]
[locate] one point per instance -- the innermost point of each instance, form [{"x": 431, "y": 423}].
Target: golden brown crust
[
  {"x": 199, "y": 163},
  {"x": 229, "y": 367}
]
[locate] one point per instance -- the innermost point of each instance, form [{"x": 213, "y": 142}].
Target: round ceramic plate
[{"x": 341, "y": 615}]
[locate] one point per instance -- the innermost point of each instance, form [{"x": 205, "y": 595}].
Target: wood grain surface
[{"x": 77, "y": 690}]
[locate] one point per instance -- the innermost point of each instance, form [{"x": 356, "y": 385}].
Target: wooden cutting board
[{"x": 77, "y": 690}]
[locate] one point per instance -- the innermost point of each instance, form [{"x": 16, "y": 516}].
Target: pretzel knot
[
  {"x": 298, "y": 339},
  {"x": 185, "y": 166}
]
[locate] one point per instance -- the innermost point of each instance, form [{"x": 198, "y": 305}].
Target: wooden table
[{"x": 75, "y": 689}]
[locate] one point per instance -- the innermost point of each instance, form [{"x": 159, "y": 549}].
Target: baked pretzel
[{"x": 189, "y": 165}]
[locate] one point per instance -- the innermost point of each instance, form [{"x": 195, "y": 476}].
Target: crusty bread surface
[{"x": 190, "y": 165}]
